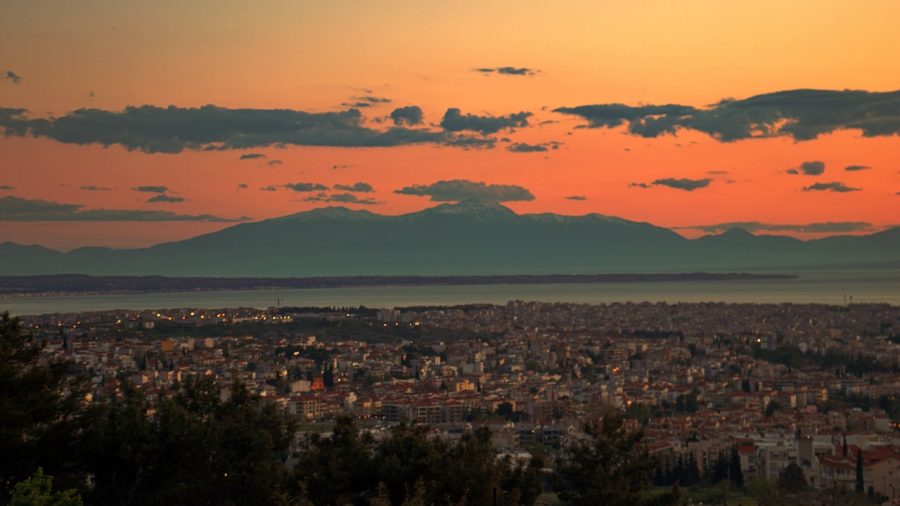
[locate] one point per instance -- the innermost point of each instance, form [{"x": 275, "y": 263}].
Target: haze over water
[{"x": 825, "y": 287}]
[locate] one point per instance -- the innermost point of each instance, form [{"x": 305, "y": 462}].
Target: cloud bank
[
  {"x": 814, "y": 168},
  {"x": 801, "y": 114},
  {"x": 151, "y": 189},
  {"x": 19, "y": 209},
  {"x": 458, "y": 190},
  {"x": 306, "y": 187},
  {"x": 830, "y": 187},
  {"x": 507, "y": 71},
  {"x": 359, "y": 187},
  {"x": 343, "y": 198},
  {"x": 173, "y": 129},
  {"x": 685, "y": 184},
  {"x": 410, "y": 115},
  {"x": 163, "y": 198},
  {"x": 813, "y": 228},
  {"x": 455, "y": 121},
  {"x": 521, "y": 147}
]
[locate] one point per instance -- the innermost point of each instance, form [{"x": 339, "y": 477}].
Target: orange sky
[{"x": 313, "y": 56}]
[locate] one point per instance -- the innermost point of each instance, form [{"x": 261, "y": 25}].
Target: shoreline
[{"x": 28, "y": 287}]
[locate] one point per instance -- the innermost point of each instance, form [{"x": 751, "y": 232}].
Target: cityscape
[
  {"x": 432, "y": 253},
  {"x": 809, "y": 385}
]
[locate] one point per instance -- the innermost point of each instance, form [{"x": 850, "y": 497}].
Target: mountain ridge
[{"x": 465, "y": 238}]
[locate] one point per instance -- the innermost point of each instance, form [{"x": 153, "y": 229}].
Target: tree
[
  {"x": 686, "y": 403},
  {"x": 38, "y": 491},
  {"x": 403, "y": 458},
  {"x": 772, "y": 407},
  {"x": 472, "y": 470},
  {"x": 860, "y": 479},
  {"x": 337, "y": 469},
  {"x": 609, "y": 467},
  {"x": 194, "y": 450},
  {"x": 41, "y": 411},
  {"x": 523, "y": 482},
  {"x": 734, "y": 468},
  {"x": 719, "y": 471},
  {"x": 792, "y": 480},
  {"x": 691, "y": 474},
  {"x": 119, "y": 449}
]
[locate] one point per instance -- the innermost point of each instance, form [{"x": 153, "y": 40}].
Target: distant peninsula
[{"x": 78, "y": 284}]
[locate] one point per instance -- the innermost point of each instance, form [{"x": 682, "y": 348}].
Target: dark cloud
[
  {"x": 306, "y": 187},
  {"x": 467, "y": 142},
  {"x": 507, "y": 71},
  {"x": 644, "y": 186},
  {"x": 521, "y": 147},
  {"x": 813, "y": 228},
  {"x": 370, "y": 99},
  {"x": 717, "y": 172},
  {"x": 830, "y": 187},
  {"x": 94, "y": 188},
  {"x": 164, "y": 198},
  {"x": 854, "y": 168},
  {"x": 683, "y": 183},
  {"x": 173, "y": 129},
  {"x": 12, "y": 76},
  {"x": 251, "y": 156},
  {"x": 455, "y": 121},
  {"x": 269, "y": 188},
  {"x": 19, "y": 209},
  {"x": 359, "y": 187},
  {"x": 575, "y": 197},
  {"x": 366, "y": 101},
  {"x": 410, "y": 115},
  {"x": 151, "y": 189},
  {"x": 801, "y": 114},
  {"x": 6, "y": 187},
  {"x": 343, "y": 198},
  {"x": 274, "y": 163},
  {"x": 459, "y": 190},
  {"x": 242, "y": 186},
  {"x": 815, "y": 168},
  {"x": 340, "y": 166}
]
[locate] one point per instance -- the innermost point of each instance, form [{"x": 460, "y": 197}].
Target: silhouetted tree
[
  {"x": 792, "y": 480},
  {"x": 41, "y": 412},
  {"x": 195, "y": 449},
  {"x": 719, "y": 471},
  {"x": 860, "y": 479},
  {"x": 38, "y": 491},
  {"x": 691, "y": 474},
  {"x": 609, "y": 467},
  {"x": 337, "y": 469},
  {"x": 735, "y": 474}
]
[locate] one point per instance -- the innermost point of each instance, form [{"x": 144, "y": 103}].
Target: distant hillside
[{"x": 469, "y": 238}]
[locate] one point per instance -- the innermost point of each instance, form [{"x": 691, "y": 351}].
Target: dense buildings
[{"x": 811, "y": 385}]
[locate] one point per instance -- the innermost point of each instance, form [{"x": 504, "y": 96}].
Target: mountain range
[{"x": 467, "y": 238}]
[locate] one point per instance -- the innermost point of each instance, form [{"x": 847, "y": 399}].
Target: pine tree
[
  {"x": 38, "y": 491},
  {"x": 42, "y": 412},
  {"x": 734, "y": 471},
  {"x": 609, "y": 468},
  {"x": 860, "y": 480}
]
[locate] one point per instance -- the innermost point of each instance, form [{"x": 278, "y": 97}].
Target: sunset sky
[{"x": 697, "y": 115}]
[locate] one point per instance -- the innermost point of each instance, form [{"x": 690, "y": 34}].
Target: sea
[{"x": 825, "y": 287}]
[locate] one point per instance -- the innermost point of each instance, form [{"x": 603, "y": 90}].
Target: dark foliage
[
  {"x": 609, "y": 467},
  {"x": 408, "y": 467},
  {"x": 42, "y": 413}
]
